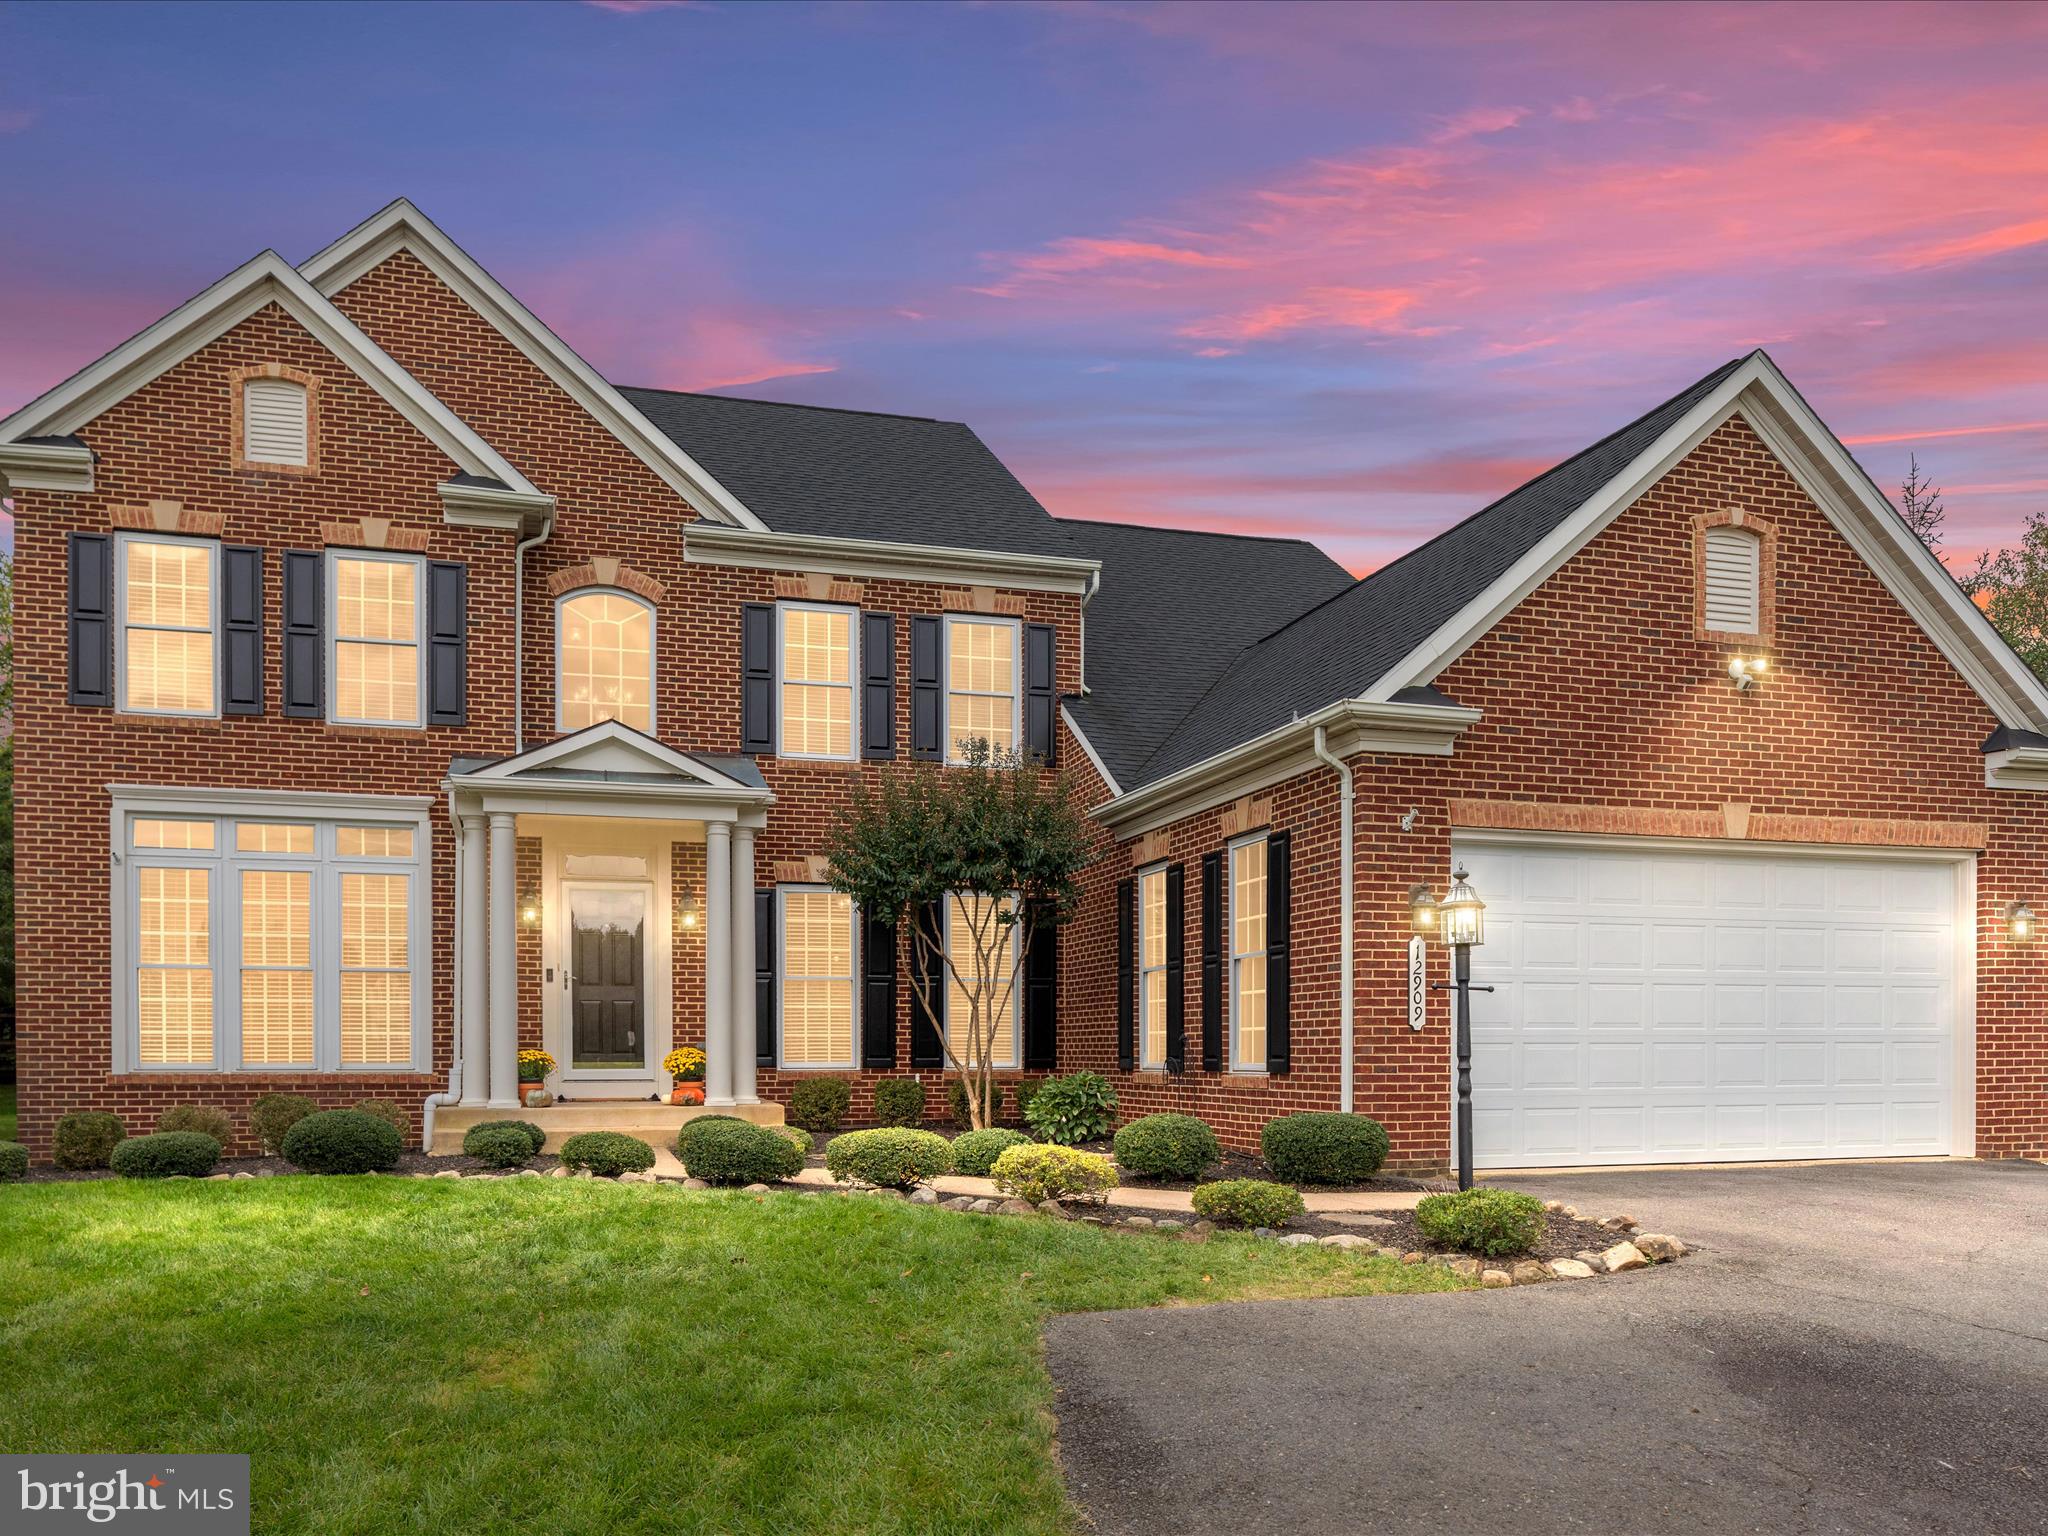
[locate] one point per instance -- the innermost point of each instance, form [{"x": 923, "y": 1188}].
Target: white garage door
[{"x": 1679, "y": 1007}]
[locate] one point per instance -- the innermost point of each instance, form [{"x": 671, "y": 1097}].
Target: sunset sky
[{"x": 1342, "y": 272}]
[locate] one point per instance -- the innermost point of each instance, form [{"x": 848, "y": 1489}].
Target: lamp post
[{"x": 1458, "y": 920}]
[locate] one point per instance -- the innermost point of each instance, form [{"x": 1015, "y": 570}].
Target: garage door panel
[
  {"x": 1741, "y": 1063},
  {"x": 1612, "y": 1065},
  {"x": 1676, "y": 1064}
]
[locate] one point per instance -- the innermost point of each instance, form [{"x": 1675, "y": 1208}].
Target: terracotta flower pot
[
  {"x": 535, "y": 1095},
  {"x": 687, "y": 1093}
]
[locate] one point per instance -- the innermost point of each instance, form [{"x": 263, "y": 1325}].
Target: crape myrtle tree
[{"x": 997, "y": 842}]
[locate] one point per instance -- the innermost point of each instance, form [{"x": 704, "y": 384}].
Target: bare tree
[{"x": 1920, "y": 506}]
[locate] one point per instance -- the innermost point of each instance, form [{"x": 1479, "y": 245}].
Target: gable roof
[
  {"x": 1147, "y": 662},
  {"x": 814, "y": 470},
  {"x": 611, "y": 752}
]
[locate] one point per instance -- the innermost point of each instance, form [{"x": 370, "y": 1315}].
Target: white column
[
  {"x": 504, "y": 941},
  {"x": 718, "y": 963},
  {"x": 473, "y": 943},
  {"x": 743, "y": 1091}
]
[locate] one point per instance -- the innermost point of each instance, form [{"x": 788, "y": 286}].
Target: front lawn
[{"x": 436, "y": 1356}]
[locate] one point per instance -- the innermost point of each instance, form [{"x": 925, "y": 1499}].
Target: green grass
[
  {"x": 405, "y": 1355},
  {"x": 6, "y": 1111}
]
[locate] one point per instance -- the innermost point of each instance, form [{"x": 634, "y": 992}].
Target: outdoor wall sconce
[
  {"x": 1422, "y": 910},
  {"x": 687, "y": 916},
  {"x": 1745, "y": 672},
  {"x": 2019, "y": 922},
  {"x": 529, "y": 908}
]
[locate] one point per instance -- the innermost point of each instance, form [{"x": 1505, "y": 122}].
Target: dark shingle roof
[
  {"x": 857, "y": 474},
  {"x": 1340, "y": 649},
  {"x": 1174, "y": 608}
]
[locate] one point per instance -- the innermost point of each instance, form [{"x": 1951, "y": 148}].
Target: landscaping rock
[
  {"x": 558, "y": 1172},
  {"x": 1554, "y": 1207},
  {"x": 1571, "y": 1269},
  {"x": 1659, "y": 1247},
  {"x": 1591, "y": 1260},
  {"x": 634, "y": 1176},
  {"x": 1017, "y": 1208},
  {"x": 1345, "y": 1240},
  {"x": 1495, "y": 1279},
  {"x": 583, "y": 1173},
  {"x": 1571, "y": 1212},
  {"x": 1202, "y": 1228},
  {"x": 1623, "y": 1257},
  {"x": 245, "y": 1174},
  {"x": 212, "y": 1176},
  {"x": 448, "y": 1173},
  {"x": 756, "y": 1189},
  {"x": 924, "y": 1194},
  {"x": 1412, "y": 1256},
  {"x": 1165, "y": 1225},
  {"x": 1617, "y": 1223},
  {"x": 1057, "y": 1211},
  {"x": 695, "y": 1184},
  {"x": 958, "y": 1203},
  {"x": 1264, "y": 1232},
  {"x": 1530, "y": 1272},
  {"x": 984, "y": 1205},
  {"x": 879, "y": 1194},
  {"x": 529, "y": 1173},
  {"x": 1137, "y": 1221},
  {"x": 1297, "y": 1240},
  {"x": 1466, "y": 1269}
]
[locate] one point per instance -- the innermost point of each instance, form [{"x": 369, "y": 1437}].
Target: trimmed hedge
[
  {"x": 889, "y": 1157},
  {"x": 1167, "y": 1147},
  {"x": 1078, "y": 1107},
  {"x": 1247, "y": 1202},
  {"x": 1324, "y": 1148},
  {"x": 819, "y": 1103},
  {"x": 391, "y": 1114},
  {"x": 160, "y": 1156},
  {"x": 956, "y": 1103},
  {"x": 271, "y": 1116},
  {"x": 342, "y": 1141},
  {"x": 1037, "y": 1171},
  {"x": 503, "y": 1144},
  {"x": 527, "y": 1128},
  {"x": 607, "y": 1153},
  {"x": 1493, "y": 1222},
  {"x": 197, "y": 1117},
  {"x": 899, "y": 1101},
  {"x": 721, "y": 1150},
  {"x": 797, "y": 1137},
  {"x": 86, "y": 1139},
  {"x": 976, "y": 1152},
  {"x": 13, "y": 1160}
]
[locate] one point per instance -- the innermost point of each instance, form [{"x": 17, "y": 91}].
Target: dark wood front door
[{"x": 607, "y": 975}]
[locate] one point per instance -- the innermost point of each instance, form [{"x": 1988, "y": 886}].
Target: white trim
[
  {"x": 123, "y": 542},
  {"x": 946, "y": 689},
  {"x": 1140, "y": 876},
  {"x": 2017, "y": 768},
  {"x": 1088, "y": 750},
  {"x": 488, "y": 506},
  {"x": 563, "y": 751},
  {"x": 853, "y": 1032},
  {"x": 656, "y": 962},
  {"x": 709, "y": 544},
  {"x": 45, "y": 467},
  {"x": 335, "y": 639},
  {"x": 1717, "y": 846},
  {"x": 402, "y": 227},
  {"x": 1231, "y": 956},
  {"x": 852, "y": 684},
  {"x": 653, "y": 651}
]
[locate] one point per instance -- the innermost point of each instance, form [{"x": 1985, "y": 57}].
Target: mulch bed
[{"x": 262, "y": 1167}]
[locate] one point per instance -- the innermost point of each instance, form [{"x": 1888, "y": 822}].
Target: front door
[{"x": 607, "y": 976}]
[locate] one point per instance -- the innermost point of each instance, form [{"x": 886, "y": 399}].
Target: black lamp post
[{"x": 1458, "y": 920}]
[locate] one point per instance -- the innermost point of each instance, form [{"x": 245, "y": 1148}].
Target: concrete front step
[{"x": 655, "y": 1124}]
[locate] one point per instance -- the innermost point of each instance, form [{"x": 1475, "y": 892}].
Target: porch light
[
  {"x": 686, "y": 912},
  {"x": 2019, "y": 922},
  {"x": 1422, "y": 909},
  {"x": 1746, "y": 671},
  {"x": 1459, "y": 912},
  {"x": 529, "y": 908}
]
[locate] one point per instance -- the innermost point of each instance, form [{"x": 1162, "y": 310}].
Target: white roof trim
[
  {"x": 564, "y": 751},
  {"x": 711, "y": 544},
  {"x": 45, "y": 467},
  {"x": 1088, "y": 749},
  {"x": 402, "y": 227},
  {"x": 267, "y": 279}
]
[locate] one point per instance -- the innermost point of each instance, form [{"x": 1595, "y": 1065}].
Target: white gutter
[
  {"x": 519, "y": 638},
  {"x": 1094, "y": 586},
  {"x": 1345, "y": 1006},
  {"x": 452, "y": 1094}
]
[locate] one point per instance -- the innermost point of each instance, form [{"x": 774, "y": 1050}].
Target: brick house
[{"x": 394, "y": 694}]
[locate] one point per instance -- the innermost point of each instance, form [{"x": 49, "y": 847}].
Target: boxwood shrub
[
  {"x": 956, "y": 1103},
  {"x": 526, "y": 1128},
  {"x": 1493, "y": 1222},
  {"x": 1167, "y": 1147},
  {"x": 607, "y": 1153},
  {"x": 1078, "y": 1107},
  {"x": 1037, "y": 1171},
  {"x": 798, "y": 1138},
  {"x": 342, "y": 1141},
  {"x": 899, "y": 1101},
  {"x": 274, "y": 1114},
  {"x": 976, "y": 1152},
  {"x": 1324, "y": 1148},
  {"x": 191, "y": 1153},
  {"x": 1247, "y": 1202},
  {"x": 721, "y": 1150},
  {"x": 889, "y": 1157},
  {"x": 819, "y": 1103},
  {"x": 498, "y": 1144},
  {"x": 13, "y": 1160},
  {"x": 197, "y": 1117},
  {"x": 87, "y": 1138},
  {"x": 391, "y": 1114}
]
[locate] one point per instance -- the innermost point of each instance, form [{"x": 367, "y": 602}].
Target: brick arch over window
[
  {"x": 1766, "y": 535},
  {"x": 238, "y": 444},
  {"x": 606, "y": 572}
]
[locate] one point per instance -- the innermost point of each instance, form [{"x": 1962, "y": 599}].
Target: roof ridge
[
  {"x": 790, "y": 405},
  {"x": 1201, "y": 533}
]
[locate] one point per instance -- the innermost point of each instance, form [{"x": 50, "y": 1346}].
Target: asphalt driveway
[{"x": 1855, "y": 1349}]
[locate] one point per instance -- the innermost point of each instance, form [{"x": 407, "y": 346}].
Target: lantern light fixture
[
  {"x": 2019, "y": 922},
  {"x": 1422, "y": 909},
  {"x": 1460, "y": 914},
  {"x": 529, "y": 907},
  {"x": 687, "y": 916}
]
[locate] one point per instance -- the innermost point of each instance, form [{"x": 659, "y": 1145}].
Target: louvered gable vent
[
  {"x": 274, "y": 421},
  {"x": 1734, "y": 566}
]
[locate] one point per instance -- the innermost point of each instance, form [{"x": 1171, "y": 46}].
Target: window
[
  {"x": 269, "y": 945},
  {"x": 816, "y": 995},
  {"x": 816, "y": 649},
  {"x": 274, "y": 421},
  {"x": 966, "y": 916},
  {"x": 1152, "y": 968},
  {"x": 170, "y": 602},
  {"x": 1248, "y": 955},
  {"x": 604, "y": 661},
  {"x": 377, "y": 659},
  {"x": 1733, "y": 576},
  {"x": 981, "y": 685}
]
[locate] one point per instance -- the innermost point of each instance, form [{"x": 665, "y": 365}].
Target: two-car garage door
[{"x": 1673, "y": 1006}]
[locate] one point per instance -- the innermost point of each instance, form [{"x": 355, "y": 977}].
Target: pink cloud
[
  {"x": 1477, "y": 122},
  {"x": 1938, "y": 432}
]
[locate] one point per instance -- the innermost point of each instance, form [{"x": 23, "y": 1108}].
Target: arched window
[{"x": 604, "y": 660}]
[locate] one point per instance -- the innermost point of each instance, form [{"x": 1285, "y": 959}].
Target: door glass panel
[{"x": 607, "y": 949}]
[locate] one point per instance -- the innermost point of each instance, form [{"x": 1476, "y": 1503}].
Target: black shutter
[
  {"x": 877, "y": 993},
  {"x": 305, "y": 634},
  {"x": 1279, "y": 949},
  {"x": 764, "y": 978},
  {"x": 924, "y": 690},
  {"x": 1126, "y": 974},
  {"x": 927, "y": 1029},
  {"x": 878, "y": 688},
  {"x": 1212, "y": 962},
  {"x": 92, "y": 620},
  {"x": 1176, "y": 968},
  {"x": 757, "y": 677},
  {"x": 1039, "y": 699},
  {"x": 447, "y": 644},
  {"x": 241, "y": 630},
  {"x": 1041, "y": 999}
]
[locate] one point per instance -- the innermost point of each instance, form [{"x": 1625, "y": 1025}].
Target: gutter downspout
[
  {"x": 519, "y": 639},
  {"x": 452, "y": 1094},
  {"x": 1346, "y": 1013},
  {"x": 1094, "y": 586}
]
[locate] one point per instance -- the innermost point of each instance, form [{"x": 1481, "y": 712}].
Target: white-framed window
[
  {"x": 1247, "y": 928},
  {"x": 818, "y": 703},
  {"x": 604, "y": 660},
  {"x": 967, "y": 914},
  {"x": 274, "y": 421},
  {"x": 376, "y": 650},
  {"x": 816, "y": 977},
  {"x": 274, "y": 940},
  {"x": 983, "y": 699},
  {"x": 1152, "y": 967},
  {"x": 168, "y": 594},
  {"x": 1733, "y": 599}
]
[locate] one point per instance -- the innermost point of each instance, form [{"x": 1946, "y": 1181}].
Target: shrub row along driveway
[{"x": 1858, "y": 1349}]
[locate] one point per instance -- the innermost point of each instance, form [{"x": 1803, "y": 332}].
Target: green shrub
[
  {"x": 197, "y": 1117},
  {"x": 976, "y": 1152},
  {"x": 1021, "y": 1094},
  {"x": 342, "y": 1141},
  {"x": 888, "y": 1158},
  {"x": 526, "y": 1128},
  {"x": 797, "y": 1137},
  {"x": 87, "y": 1138},
  {"x": 607, "y": 1153},
  {"x": 819, "y": 1103},
  {"x": 956, "y": 1103},
  {"x": 191, "y": 1153},
  {"x": 721, "y": 1150},
  {"x": 1036, "y": 1171},
  {"x": 13, "y": 1160},
  {"x": 503, "y": 1144},
  {"x": 1167, "y": 1147},
  {"x": 1324, "y": 1148},
  {"x": 391, "y": 1114},
  {"x": 899, "y": 1101},
  {"x": 1493, "y": 1222},
  {"x": 274, "y": 1114},
  {"x": 1247, "y": 1202},
  {"x": 1078, "y": 1107}
]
